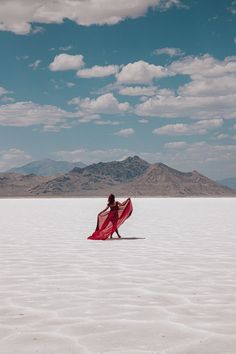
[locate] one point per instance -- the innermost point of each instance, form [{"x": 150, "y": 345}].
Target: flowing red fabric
[{"x": 109, "y": 221}]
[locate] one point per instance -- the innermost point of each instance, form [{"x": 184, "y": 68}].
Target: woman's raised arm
[{"x": 104, "y": 210}]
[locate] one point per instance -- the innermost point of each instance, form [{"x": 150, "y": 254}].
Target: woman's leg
[{"x": 117, "y": 233}]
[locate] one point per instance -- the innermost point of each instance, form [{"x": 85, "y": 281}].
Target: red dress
[{"x": 109, "y": 221}]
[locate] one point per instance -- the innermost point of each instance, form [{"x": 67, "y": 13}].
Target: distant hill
[
  {"x": 228, "y": 182},
  {"x": 133, "y": 177},
  {"x": 17, "y": 185},
  {"x": 130, "y": 177},
  {"x": 46, "y": 167}
]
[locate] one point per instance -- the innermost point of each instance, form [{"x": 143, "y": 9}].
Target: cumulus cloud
[
  {"x": 204, "y": 66},
  {"x": 217, "y": 86},
  {"x": 198, "y": 128},
  {"x": 107, "y": 122},
  {"x": 138, "y": 91},
  {"x": 106, "y": 104},
  {"x": 176, "y": 145},
  {"x": 6, "y": 99},
  {"x": 221, "y": 136},
  {"x": 141, "y": 72},
  {"x": 173, "y": 129},
  {"x": 125, "y": 132},
  {"x": 18, "y": 15},
  {"x": 25, "y": 114},
  {"x": 172, "y": 52},
  {"x": 211, "y": 92},
  {"x": 4, "y": 95},
  {"x": 52, "y": 118},
  {"x": 63, "y": 62},
  {"x": 98, "y": 71},
  {"x": 3, "y": 91},
  {"x": 12, "y": 158}
]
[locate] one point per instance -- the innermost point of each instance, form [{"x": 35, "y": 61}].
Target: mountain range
[
  {"x": 46, "y": 167},
  {"x": 130, "y": 177},
  {"x": 228, "y": 182}
]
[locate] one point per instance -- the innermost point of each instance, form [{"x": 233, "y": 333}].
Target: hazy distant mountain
[
  {"x": 130, "y": 177},
  {"x": 228, "y": 182},
  {"x": 47, "y": 167}
]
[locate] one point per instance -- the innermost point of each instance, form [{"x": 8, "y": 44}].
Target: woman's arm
[
  {"x": 104, "y": 210},
  {"x": 123, "y": 202}
]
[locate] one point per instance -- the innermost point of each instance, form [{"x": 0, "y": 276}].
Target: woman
[{"x": 108, "y": 222}]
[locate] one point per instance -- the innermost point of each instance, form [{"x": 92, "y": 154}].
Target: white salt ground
[{"x": 173, "y": 291}]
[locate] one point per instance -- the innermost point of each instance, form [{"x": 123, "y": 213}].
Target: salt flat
[{"x": 172, "y": 290}]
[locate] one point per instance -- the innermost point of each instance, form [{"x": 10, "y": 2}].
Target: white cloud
[
  {"x": 37, "y": 29},
  {"x": 204, "y": 66},
  {"x": 18, "y": 15},
  {"x": 221, "y": 136},
  {"x": 52, "y": 118},
  {"x": 176, "y": 145},
  {"x": 138, "y": 91},
  {"x": 198, "y": 128},
  {"x": 3, "y": 97},
  {"x": 6, "y": 99},
  {"x": 172, "y": 52},
  {"x": 217, "y": 86},
  {"x": 93, "y": 156},
  {"x": 173, "y": 129},
  {"x": 13, "y": 157},
  {"x": 235, "y": 40},
  {"x": 232, "y": 7},
  {"x": 125, "y": 132},
  {"x": 24, "y": 57},
  {"x": 88, "y": 117},
  {"x": 35, "y": 64},
  {"x": 106, "y": 104},
  {"x": 143, "y": 121},
  {"x": 70, "y": 84},
  {"x": 98, "y": 71},
  {"x": 211, "y": 93},
  {"x": 3, "y": 91},
  {"x": 107, "y": 122},
  {"x": 25, "y": 114},
  {"x": 141, "y": 72},
  {"x": 63, "y": 62},
  {"x": 65, "y": 48}
]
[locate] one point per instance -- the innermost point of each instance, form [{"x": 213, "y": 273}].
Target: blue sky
[{"x": 98, "y": 81}]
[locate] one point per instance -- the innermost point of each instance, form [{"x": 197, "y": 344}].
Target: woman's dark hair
[{"x": 111, "y": 199}]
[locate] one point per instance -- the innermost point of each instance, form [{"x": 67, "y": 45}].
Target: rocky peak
[{"x": 120, "y": 171}]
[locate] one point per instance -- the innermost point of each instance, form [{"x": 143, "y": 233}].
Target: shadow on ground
[{"x": 125, "y": 238}]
